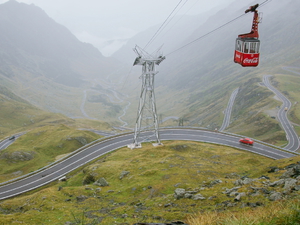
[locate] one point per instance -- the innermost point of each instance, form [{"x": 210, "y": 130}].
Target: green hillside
[
  {"x": 39, "y": 147},
  {"x": 141, "y": 186},
  {"x": 17, "y": 115},
  {"x": 46, "y": 135}
]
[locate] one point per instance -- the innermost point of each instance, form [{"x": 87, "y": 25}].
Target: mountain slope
[
  {"x": 31, "y": 41},
  {"x": 18, "y": 115},
  {"x": 196, "y": 80},
  {"x": 43, "y": 62}
]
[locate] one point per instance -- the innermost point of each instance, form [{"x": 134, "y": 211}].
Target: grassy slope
[
  {"x": 143, "y": 194},
  {"x": 17, "y": 115},
  {"x": 39, "y": 147},
  {"x": 288, "y": 83},
  {"x": 48, "y": 135}
]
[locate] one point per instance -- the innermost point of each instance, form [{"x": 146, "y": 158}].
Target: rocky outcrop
[
  {"x": 18, "y": 156},
  {"x": 182, "y": 193},
  {"x": 288, "y": 183},
  {"x": 81, "y": 140}
]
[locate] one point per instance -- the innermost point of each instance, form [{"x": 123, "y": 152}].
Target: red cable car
[{"x": 247, "y": 45}]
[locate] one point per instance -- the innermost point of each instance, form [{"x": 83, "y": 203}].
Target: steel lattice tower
[{"x": 147, "y": 119}]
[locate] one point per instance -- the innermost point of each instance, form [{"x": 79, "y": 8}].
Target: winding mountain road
[
  {"x": 227, "y": 112},
  {"x": 292, "y": 136},
  {"x": 104, "y": 146},
  {"x": 112, "y": 143},
  {"x": 8, "y": 141}
]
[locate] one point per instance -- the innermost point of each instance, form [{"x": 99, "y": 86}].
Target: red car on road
[{"x": 247, "y": 141}]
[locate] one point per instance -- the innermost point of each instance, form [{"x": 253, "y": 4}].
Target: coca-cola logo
[{"x": 253, "y": 60}]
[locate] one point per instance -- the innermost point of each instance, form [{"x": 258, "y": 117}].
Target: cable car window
[
  {"x": 257, "y": 47},
  {"x": 253, "y": 47},
  {"x": 238, "y": 45},
  {"x": 246, "y": 47}
]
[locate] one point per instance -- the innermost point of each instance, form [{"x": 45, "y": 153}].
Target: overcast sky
[{"x": 108, "y": 23}]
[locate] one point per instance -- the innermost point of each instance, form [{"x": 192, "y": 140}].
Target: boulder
[
  {"x": 179, "y": 193},
  {"x": 198, "y": 197},
  {"x": 188, "y": 195},
  {"x": 239, "y": 196},
  {"x": 289, "y": 184},
  {"x": 277, "y": 183},
  {"x": 275, "y": 196},
  {"x": 89, "y": 178},
  {"x": 81, "y": 198},
  {"x": 293, "y": 171},
  {"x": 101, "y": 182}
]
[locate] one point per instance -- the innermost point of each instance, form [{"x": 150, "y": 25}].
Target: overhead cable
[
  {"x": 163, "y": 24},
  {"x": 212, "y": 31}
]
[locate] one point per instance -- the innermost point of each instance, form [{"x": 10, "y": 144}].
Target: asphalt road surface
[
  {"x": 6, "y": 142},
  {"x": 112, "y": 143},
  {"x": 227, "y": 112},
  {"x": 291, "y": 135}
]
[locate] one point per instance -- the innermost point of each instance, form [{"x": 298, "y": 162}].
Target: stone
[
  {"x": 289, "y": 184},
  {"x": 214, "y": 182},
  {"x": 277, "y": 183},
  {"x": 167, "y": 205},
  {"x": 228, "y": 191},
  {"x": 123, "y": 174},
  {"x": 188, "y": 195},
  {"x": 297, "y": 188},
  {"x": 212, "y": 197},
  {"x": 293, "y": 171},
  {"x": 233, "y": 193},
  {"x": 273, "y": 169},
  {"x": 239, "y": 196},
  {"x": 176, "y": 185},
  {"x": 244, "y": 181},
  {"x": 81, "y": 198},
  {"x": 179, "y": 193},
  {"x": 101, "y": 182},
  {"x": 198, "y": 197},
  {"x": 232, "y": 176},
  {"x": 275, "y": 196},
  {"x": 289, "y": 173},
  {"x": 89, "y": 178},
  {"x": 264, "y": 177}
]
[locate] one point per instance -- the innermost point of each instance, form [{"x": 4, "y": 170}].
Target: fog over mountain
[
  {"x": 196, "y": 74},
  {"x": 33, "y": 42},
  {"x": 44, "y": 57}
]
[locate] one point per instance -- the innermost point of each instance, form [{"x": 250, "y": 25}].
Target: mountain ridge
[{"x": 45, "y": 48}]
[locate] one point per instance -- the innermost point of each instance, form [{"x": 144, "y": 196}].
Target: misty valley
[{"x": 71, "y": 151}]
